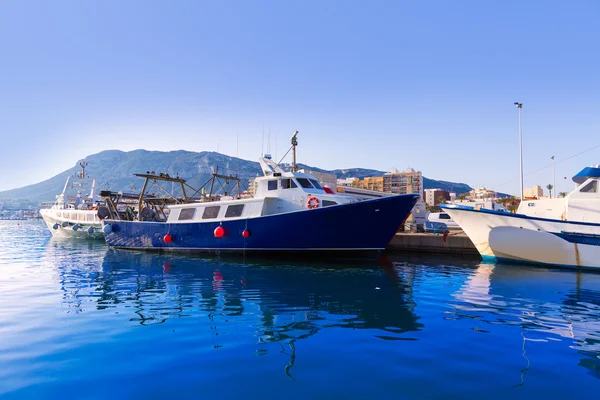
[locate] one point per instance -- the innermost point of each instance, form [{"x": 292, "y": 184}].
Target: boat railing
[{"x": 150, "y": 206}]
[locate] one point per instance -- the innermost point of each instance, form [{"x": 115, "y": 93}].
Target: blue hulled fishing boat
[{"x": 289, "y": 211}]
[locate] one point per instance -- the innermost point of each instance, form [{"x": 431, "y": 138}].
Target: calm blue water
[{"x": 80, "y": 321}]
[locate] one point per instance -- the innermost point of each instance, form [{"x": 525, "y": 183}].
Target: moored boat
[
  {"x": 74, "y": 214},
  {"x": 563, "y": 232},
  {"x": 289, "y": 212}
]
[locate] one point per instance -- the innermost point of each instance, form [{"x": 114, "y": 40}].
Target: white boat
[
  {"x": 74, "y": 214},
  {"x": 563, "y": 231}
]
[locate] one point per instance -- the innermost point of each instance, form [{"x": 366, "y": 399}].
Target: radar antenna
[
  {"x": 294, "y": 144},
  {"x": 83, "y": 164}
]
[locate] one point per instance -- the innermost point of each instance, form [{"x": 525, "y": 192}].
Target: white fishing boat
[
  {"x": 563, "y": 231},
  {"x": 75, "y": 212}
]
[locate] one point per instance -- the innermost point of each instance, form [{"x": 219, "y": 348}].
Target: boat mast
[
  {"x": 83, "y": 165},
  {"x": 141, "y": 198},
  {"x": 294, "y": 144}
]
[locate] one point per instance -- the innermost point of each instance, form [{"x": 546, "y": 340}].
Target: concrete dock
[{"x": 456, "y": 243}]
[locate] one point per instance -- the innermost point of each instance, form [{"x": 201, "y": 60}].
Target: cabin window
[
  {"x": 234, "y": 211},
  {"x": 591, "y": 187},
  {"x": 211, "y": 212},
  {"x": 316, "y": 184},
  {"x": 444, "y": 216},
  {"x": 272, "y": 185},
  {"x": 305, "y": 183},
  {"x": 187, "y": 213},
  {"x": 288, "y": 184},
  {"x": 329, "y": 203}
]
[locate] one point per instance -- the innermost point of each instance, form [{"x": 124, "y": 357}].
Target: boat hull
[
  {"x": 61, "y": 227},
  {"x": 360, "y": 227},
  {"x": 520, "y": 238}
]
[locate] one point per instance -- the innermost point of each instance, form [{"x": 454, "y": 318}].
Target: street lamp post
[
  {"x": 554, "y": 175},
  {"x": 520, "y": 106}
]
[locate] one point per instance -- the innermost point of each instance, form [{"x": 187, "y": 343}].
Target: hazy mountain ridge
[{"x": 114, "y": 169}]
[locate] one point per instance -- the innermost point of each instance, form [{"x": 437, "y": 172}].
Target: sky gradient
[{"x": 378, "y": 84}]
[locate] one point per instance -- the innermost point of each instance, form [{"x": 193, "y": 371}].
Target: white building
[
  {"x": 347, "y": 181},
  {"x": 535, "y": 191}
]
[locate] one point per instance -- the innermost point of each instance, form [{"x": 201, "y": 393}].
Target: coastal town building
[
  {"x": 348, "y": 182},
  {"x": 482, "y": 194},
  {"x": 409, "y": 181},
  {"x": 534, "y": 192},
  {"x": 371, "y": 183},
  {"x": 434, "y": 197}
]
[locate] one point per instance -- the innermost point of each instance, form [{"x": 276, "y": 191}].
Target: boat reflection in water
[
  {"x": 413, "y": 320},
  {"x": 545, "y": 305},
  {"x": 269, "y": 302}
]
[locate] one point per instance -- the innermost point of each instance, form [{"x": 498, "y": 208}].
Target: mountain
[
  {"x": 458, "y": 188},
  {"x": 114, "y": 169}
]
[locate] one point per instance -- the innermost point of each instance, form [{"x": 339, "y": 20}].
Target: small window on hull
[
  {"x": 329, "y": 203},
  {"x": 234, "y": 211},
  {"x": 444, "y": 216},
  {"x": 211, "y": 212},
  {"x": 186, "y": 214}
]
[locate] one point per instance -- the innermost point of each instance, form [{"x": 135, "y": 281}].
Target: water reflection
[
  {"x": 547, "y": 305},
  {"x": 282, "y": 302},
  {"x": 411, "y": 308}
]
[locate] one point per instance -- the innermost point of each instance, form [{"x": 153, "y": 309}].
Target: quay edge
[{"x": 456, "y": 244}]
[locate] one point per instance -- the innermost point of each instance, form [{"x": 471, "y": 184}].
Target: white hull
[
  {"x": 88, "y": 225},
  {"x": 515, "y": 237}
]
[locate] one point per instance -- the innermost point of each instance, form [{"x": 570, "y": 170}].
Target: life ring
[{"x": 312, "y": 202}]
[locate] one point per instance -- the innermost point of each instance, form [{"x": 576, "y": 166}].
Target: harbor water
[{"x": 78, "y": 320}]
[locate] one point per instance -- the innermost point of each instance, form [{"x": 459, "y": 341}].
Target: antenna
[
  {"x": 83, "y": 165},
  {"x": 262, "y": 148},
  {"x": 294, "y": 142}
]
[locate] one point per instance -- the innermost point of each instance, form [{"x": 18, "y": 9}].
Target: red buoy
[
  {"x": 168, "y": 238},
  {"x": 219, "y": 232},
  {"x": 246, "y": 233}
]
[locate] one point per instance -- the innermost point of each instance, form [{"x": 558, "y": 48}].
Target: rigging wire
[{"x": 549, "y": 165}]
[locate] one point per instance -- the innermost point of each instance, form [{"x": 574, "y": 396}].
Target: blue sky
[{"x": 377, "y": 84}]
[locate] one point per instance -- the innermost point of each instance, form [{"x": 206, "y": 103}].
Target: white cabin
[
  {"x": 581, "y": 205},
  {"x": 276, "y": 192}
]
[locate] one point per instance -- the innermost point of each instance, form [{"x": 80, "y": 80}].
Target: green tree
[
  {"x": 550, "y": 187},
  {"x": 513, "y": 201},
  {"x": 563, "y": 194}
]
